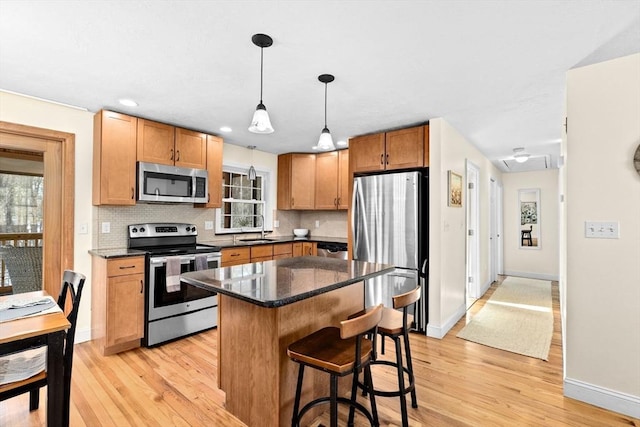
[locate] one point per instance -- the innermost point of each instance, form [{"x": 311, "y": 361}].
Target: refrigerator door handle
[{"x": 354, "y": 204}]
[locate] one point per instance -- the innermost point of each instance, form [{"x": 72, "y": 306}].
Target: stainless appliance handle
[
  {"x": 353, "y": 218},
  {"x": 185, "y": 259}
]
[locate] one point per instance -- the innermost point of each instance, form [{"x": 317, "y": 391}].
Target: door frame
[
  {"x": 58, "y": 149},
  {"x": 473, "y": 229}
]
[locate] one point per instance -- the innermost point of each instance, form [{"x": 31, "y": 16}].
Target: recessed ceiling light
[
  {"x": 341, "y": 143},
  {"x": 128, "y": 102},
  {"x": 225, "y": 129}
]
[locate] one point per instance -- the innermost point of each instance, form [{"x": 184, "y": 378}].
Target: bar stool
[
  {"x": 395, "y": 325},
  {"x": 340, "y": 352},
  {"x": 526, "y": 236}
]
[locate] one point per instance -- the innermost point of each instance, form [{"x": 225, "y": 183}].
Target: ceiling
[{"x": 495, "y": 70}]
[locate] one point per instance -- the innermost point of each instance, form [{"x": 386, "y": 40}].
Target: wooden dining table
[{"x": 28, "y": 332}]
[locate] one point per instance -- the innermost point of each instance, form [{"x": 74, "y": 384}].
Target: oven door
[{"x": 189, "y": 298}]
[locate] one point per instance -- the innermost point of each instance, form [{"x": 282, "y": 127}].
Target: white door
[{"x": 494, "y": 230}]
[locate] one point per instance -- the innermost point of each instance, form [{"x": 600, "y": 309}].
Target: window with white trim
[{"x": 244, "y": 203}]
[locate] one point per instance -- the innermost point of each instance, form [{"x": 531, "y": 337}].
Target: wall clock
[{"x": 636, "y": 160}]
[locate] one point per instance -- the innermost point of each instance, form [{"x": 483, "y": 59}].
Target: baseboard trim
[
  {"x": 485, "y": 288},
  {"x": 530, "y": 275},
  {"x": 611, "y": 400},
  {"x": 83, "y": 335},
  {"x": 440, "y": 331}
]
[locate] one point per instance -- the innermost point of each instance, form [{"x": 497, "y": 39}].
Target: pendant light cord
[
  {"x": 325, "y": 105},
  {"x": 261, "y": 62}
]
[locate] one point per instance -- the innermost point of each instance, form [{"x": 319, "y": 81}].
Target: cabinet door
[
  {"x": 366, "y": 153},
  {"x": 214, "y": 172},
  {"x": 326, "y": 181},
  {"x": 426, "y": 145},
  {"x": 309, "y": 248},
  {"x": 190, "y": 149},
  {"x": 114, "y": 159},
  {"x": 296, "y": 249},
  {"x": 343, "y": 179},
  {"x": 235, "y": 256},
  {"x": 155, "y": 142},
  {"x": 302, "y": 181},
  {"x": 405, "y": 148},
  {"x": 284, "y": 182},
  {"x": 125, "y": 309}
]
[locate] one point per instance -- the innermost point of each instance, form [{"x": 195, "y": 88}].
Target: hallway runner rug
[{"x": 517, "y": 318}]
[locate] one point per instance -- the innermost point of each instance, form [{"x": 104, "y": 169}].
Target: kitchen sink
[{"x": 259, "y": 240}]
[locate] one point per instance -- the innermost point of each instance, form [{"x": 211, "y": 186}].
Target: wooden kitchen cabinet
[
  {"x": 114, "y": 159},
  {"x": 305, "y": 248},
  {"x": 214, "y": 171},
  {"x": 117, "y": 303},
  {"x": 282, "y": 250},
  {"x": 332, "y": 180},
  {"x": 400, "y": 149},
  {"x": 168, "y": 145},
  {"x": 235, "y": 256},
  {"x": 261, "y": 253},
  {"x": 296, "y": 181}
]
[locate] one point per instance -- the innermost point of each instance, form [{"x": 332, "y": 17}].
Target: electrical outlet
[
  {"x": 84, "y": 228},
  {"x": 602, "y": 229},
  {"x": 106, "y": 227},
  {"x": 208, "y": 225},
  {"x": 276, "y": 223},
  {"x": 317, "y": 224}
]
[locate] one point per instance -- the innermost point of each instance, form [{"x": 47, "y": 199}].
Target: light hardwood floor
[{"x": 459, "y": 383}]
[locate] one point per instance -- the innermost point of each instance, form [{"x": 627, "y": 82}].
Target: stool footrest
[
  {"x": 326, "y": 399},
  {"x": 391, "y": 393}
]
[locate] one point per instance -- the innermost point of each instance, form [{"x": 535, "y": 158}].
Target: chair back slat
[
  {"x": 408, "y": 298},
  {"x": 361, "y": 324}
]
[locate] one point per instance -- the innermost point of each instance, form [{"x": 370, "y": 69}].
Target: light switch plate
[
  {"x": 602, "y": 229},
  {"x": 208, "y": 225},
  {"x": 84, "y": 228},
  {"x": 106, "y": 227},
  {"x": 317, "y": 224},
  {"x": 276, "y": 223}
]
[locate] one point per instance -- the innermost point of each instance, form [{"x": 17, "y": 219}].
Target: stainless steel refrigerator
[{"x": 390, "y": 226}]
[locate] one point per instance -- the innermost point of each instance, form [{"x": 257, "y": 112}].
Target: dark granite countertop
[
  {"x": 275, "y": 239},
  {"x": 116, "y": 252},
  {"x": 284, "y": 281}
]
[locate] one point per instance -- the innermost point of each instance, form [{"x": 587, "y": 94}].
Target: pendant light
[
  {"x": 252, "y": 170},
  {"x": 260, "y": 122},
  {"x": 325, "y": 142}
]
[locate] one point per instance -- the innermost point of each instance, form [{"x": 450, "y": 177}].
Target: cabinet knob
[
  {"x": 171, "y": 157},
  {"x": 133, "y": 193},
  {"x": 178, "y": 156},
  {"x": 382, "y": 159},
  {"x": 387, "y": 159},
  {"x": 141, "y": 286}
]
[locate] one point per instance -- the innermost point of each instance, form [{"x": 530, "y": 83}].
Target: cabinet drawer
[
  {"x": 261, "y": 251},
  {"x": 235, "y": 255},
  {"x": 282, "y": 249},
  {"x": 124, "y": 266}
]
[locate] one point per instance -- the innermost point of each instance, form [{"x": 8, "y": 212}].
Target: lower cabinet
[
  {"x": 235, "y": 256},
  {"x": 305, "y": 248},
  {"x": 117, "y": 303}
]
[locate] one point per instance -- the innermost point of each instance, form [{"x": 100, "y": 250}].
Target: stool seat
[{"x": 325, "y": 350}]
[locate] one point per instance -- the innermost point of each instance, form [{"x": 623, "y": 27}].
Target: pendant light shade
[
  {"x": 252, "y": 171},
  {"x": 326, "y": 141},
  {"x": 261, "y": 122}
]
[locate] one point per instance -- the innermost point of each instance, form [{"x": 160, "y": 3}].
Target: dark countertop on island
[{"x": 284, "y": 281}]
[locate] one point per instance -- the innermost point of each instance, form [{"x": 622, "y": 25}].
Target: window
[
  {"x": 244, "y": 206},
  {"x": 21, "y": 206}
]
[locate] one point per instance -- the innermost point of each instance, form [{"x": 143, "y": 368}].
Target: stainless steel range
[{"x": 170, "y": 311}]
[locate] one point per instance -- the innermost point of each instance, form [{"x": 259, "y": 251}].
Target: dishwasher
[{"x": 333, "y": 250}]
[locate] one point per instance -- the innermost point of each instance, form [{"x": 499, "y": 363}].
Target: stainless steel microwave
[{"x": 162, "y": 183}]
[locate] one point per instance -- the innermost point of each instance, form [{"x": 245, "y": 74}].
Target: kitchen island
[{"x": 265, "y": 306}]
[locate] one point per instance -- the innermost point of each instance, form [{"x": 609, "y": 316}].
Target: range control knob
[
  {"x": 188, "y": 228},
  {"x": 142, "y": 229},
  {"x": 134, "y": 230},
  {"x": 193, "y": 229}
]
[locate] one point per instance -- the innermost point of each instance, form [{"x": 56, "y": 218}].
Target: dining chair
[{"x": 72, "y": 284}]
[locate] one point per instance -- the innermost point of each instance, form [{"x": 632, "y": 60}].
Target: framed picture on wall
[{"x": 455, "y": 190}]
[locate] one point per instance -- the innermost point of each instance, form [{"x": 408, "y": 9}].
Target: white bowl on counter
[{"x": 300, "y": 232}]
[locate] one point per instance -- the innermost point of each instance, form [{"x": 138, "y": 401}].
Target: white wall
[
  {"x": 32, "y": 112},
  {"x": 541, "y": 262},
  {"x": 448, "y": 150},
  {"x": 602, "y": 352}
]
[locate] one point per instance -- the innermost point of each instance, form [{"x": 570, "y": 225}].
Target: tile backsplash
[{"x": 331, "y": 223}]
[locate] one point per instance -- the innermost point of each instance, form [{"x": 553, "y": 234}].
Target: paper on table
[{"x": 17, "y": 308}]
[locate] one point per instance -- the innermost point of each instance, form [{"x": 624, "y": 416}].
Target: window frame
[{"x": 266, "y": 202}]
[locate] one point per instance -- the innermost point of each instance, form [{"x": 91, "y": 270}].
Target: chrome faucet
[{"x": 262, "y": 231}]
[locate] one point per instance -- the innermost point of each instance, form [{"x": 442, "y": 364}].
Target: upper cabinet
[
  {"x": 399, "y": 149},
  {"x": 120, "y": 140},
  {"x": 296, "y": 181},
  {"x": 169, "y": 145},
  {"x": 332, "y": 180},
  {"x": 114, "y": 159},
  {"x": 214, "y": 170}
]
